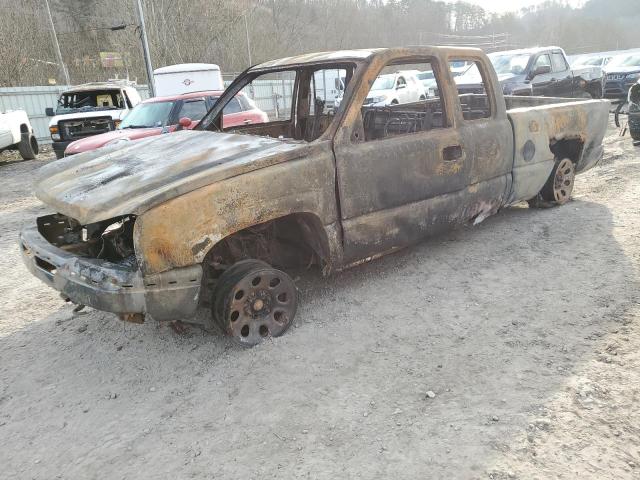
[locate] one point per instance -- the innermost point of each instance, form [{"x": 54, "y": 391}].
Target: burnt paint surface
[
  {"x": 181, "y": 231},
  {"x": 110, "y": 182},
  {"x": 396, "y": 190},
  {"x": 192, "y": 189},
  {"x": 584, "y": 121}
]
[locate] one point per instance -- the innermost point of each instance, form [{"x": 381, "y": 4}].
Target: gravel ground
[{"x": 506, "y": 350}]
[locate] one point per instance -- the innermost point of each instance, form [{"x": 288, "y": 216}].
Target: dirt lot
[{"x": 506, "y": 350}]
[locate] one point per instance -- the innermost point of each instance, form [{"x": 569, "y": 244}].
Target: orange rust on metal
[
  {"x": 181, "y": 231},
  {"x": 534, "y": 127},
  {"x": 132, "y": 317}
]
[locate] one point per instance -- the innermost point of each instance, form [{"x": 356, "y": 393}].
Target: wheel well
[
  {"x": 24, "y": 128},
  {"x": 568, "y": 148},
  {"x": 293, "y": 241}
]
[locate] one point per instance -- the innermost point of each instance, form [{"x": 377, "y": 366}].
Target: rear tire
[
  {"x": 28, "y": 146},
  {"x": 558, "y": 187}
]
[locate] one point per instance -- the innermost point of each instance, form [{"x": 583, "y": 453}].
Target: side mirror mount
[
  {"x": 401, "y": 86},
  {"x": 49, "y": 112},
  {"x": 541, "y": 70},
  {"x": 184, "y": 122}
]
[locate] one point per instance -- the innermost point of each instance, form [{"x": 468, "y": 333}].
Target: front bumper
[{"x": 112, "y": 287}]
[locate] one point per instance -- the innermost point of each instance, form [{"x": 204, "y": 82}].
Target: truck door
[
  {"x": 543, "y": 84},
  {"x": 487, "y": 139},
  {"x": 402, "y": 169},
  {"x": 562, "y": 74}
]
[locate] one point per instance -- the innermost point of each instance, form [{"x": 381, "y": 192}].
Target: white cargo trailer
[{"x": 187, "y": 78}]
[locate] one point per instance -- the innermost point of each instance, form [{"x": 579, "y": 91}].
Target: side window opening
[
  {"x": 403, "y": 99},
  {"x": 273, "y": 94},
  {"x": 474, "y": 100},
  {"x": 320, "y": 91},
  {"x": 270, "y": 96},
  {"x": 298, "y": 104}
]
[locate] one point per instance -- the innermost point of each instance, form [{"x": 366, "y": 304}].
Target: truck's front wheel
[
  {"x": 253, "y": 301},
  {"x": 557, "y": 190}
]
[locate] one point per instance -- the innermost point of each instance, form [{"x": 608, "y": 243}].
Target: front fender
[{"x": 181, "y": 231}]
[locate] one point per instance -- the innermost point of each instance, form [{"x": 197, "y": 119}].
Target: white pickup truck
[
  {"x": 16, "y": 133},
  {"x": 88, "y": 110}
]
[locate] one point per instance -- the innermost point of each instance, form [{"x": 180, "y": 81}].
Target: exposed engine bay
[{"x": 110, "y": 239}]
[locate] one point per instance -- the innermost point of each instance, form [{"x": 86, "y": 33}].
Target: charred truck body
[{"x": 213, "y": 216}]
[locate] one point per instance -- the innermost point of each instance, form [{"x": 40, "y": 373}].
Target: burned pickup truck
[{"x": 215, "y": 216}]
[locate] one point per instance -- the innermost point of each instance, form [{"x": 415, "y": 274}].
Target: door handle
[
  {"x": 247, "y": 121},
  {"x": 452, "y": 153}
]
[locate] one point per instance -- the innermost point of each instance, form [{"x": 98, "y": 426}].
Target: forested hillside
[{"x": 230, "y": 32}]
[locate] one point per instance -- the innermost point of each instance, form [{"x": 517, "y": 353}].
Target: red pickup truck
[{"x": 167, "y": 114}]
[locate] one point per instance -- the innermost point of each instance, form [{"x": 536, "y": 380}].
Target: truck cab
[{"x": 89, "y": 109}]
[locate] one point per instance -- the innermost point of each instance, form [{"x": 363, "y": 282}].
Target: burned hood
[{"x": 130, "y": 179}]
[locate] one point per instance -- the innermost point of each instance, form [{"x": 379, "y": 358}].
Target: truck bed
[{"x": 547, "y": 128}]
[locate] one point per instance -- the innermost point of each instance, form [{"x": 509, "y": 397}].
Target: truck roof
[
  {"x": 336, "y": 55},
  {"x": 362, "y": 54}
]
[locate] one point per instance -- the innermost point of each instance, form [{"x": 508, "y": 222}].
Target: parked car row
[
  {"x": 542, "y": 72},
  {"x": 98, "y": 114},
  {"x": 621, "y": 70}
]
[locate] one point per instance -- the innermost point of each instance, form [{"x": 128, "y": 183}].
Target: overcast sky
[{"x": 502, "y": 6}]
